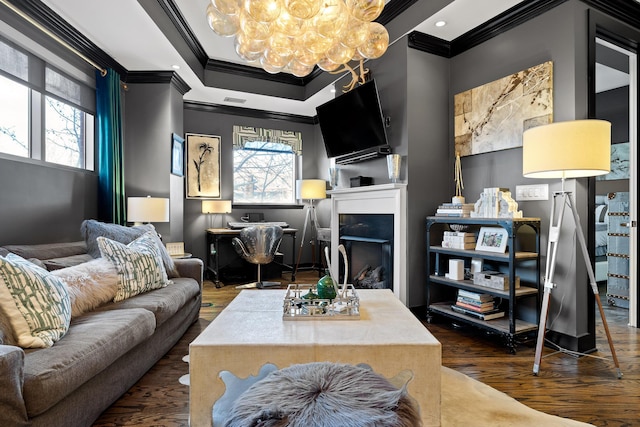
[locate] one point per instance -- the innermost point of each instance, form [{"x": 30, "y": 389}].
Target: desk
[
  {"x": 214, "y": 235},
  {"x": 250, "y": 332}
]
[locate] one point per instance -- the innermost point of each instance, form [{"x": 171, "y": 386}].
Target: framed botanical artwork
[
  {"x": 492, "y": 239},
  {"x": 202, "y": 166},
  {"x": 177, "y": 155}
]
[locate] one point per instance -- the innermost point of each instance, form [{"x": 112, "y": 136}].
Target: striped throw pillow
[
  {"x": 35, "y": 302},
  {"x": 139, "y": 265}
]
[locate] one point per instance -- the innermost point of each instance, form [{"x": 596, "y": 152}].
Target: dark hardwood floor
[{"x": 581, "y": 388}]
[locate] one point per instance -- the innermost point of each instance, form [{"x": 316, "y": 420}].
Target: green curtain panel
[{"x": 110, "y": 157}]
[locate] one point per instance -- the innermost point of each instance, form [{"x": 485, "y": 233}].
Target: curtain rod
[{"x": 103, "y": 71}]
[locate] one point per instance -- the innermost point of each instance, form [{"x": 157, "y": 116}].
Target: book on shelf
[
  {"x": 477, "y": 309},
  {"x": 459, "y": 239},
  {"x": 464, "y": 234},
  {"x": 475, "y": 296},
  {"x": 466, "y": 206},
  {"x": 454, "y": 214},
  {"x": 458, "y": 245},
  {"x": 495, "y": 314},
  {"x": 452, "y": 210},
  {"x": 475, "y": 305}
]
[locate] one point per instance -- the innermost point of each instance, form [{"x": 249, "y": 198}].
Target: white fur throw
[
  {"x": 324, "y": 394},
  {"x": 89, "y": 284}
]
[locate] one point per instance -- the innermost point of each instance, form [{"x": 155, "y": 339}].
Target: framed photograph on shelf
[
  {"x": 203, "y": 166},
  {"x": 492, "y": 239},
  {"x": 177, "y": 155}
]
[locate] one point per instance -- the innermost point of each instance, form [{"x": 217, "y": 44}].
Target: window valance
[{"x": 244, "y": 135}]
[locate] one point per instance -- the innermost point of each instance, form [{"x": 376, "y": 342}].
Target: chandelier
[{"x": 293, "y": 36}]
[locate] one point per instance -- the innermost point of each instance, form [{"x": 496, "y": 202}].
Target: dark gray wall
[
  {"x": 561, "y": 36},
  {"x": 206, "y": 121},
  {"x": 44, "y": 203},
  {"x": 153, "y": 112}
]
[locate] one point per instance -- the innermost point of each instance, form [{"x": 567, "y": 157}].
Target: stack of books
[
  {"x": 458, "y": 240},
  {"x": 455, "y": 210},
  {"x": 480, "y": 306}
]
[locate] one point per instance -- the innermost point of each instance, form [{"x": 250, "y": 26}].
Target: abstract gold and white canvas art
[{"x": 493, "y": 116}]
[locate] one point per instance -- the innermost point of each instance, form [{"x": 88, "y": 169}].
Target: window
[
  {"x": 43, "y": 113},
  {"x": 264, "y": 165},
  {"x": 68, "y": 132},
  {"x": 14, "y": 118}
]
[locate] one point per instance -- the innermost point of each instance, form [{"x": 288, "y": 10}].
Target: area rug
[{"x": 466, "y": 402}]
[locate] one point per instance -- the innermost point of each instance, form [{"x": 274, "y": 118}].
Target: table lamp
[
  {"x": 147, "y": 209},
  {"x": 573, "y": 149},
  {"x": 214, "y": 207},
  {"x": 310, "y": 189}
]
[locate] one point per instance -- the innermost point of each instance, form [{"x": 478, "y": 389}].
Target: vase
[
  {"x": 393, "y": 166},
  {"x": 325, "y": 288},
  {"x": 334, "y": 174}
]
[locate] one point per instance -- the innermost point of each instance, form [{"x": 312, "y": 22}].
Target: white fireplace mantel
[{"x": 375, "y": 199}]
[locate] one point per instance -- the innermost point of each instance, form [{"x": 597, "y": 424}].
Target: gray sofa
[{"x": 103, "y": 354}]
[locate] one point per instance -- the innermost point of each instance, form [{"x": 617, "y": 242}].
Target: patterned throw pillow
[
  {"x": 92, "y": 229},
  {"x": 35, "y": 302},
  {"x": 139, "y": 265}
]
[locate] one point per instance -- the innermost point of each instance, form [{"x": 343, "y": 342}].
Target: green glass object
[{"x": 325, "y": 288}]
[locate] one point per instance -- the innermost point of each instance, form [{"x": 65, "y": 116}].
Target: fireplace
[
  {"x": 368, "y": 240},
  {"x": 371, "y": 222}
]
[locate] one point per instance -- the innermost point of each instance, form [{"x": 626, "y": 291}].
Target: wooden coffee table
[{"x": 250, "y": 332}]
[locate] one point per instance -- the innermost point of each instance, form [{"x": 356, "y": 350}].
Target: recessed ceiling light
[
  {"x": 441, "y": 23},
  {"x": 175, "y": 66}
]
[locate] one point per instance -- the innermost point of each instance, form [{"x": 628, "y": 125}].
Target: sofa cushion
[
  {"x": 94, "y": 341},
  {"x": 92, "y": 229},
  {"x": 164, "y": 303},
  {"x": 90, "y": 284},
  {"x": 35, "y": 302},
  {"x": 49, "y": 250},
  {"x": 52, "y": 264},
  {"x": 140, "y": 268}
]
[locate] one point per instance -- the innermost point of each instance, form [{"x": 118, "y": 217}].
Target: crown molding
[
  {"x": 247, "y": 112},
  {"x": 142, "y": 77},
  {"x": 623, "y": 10},
  {"x": 430, "y": 44},
  {"x": 173, "y": 13},
  {"x": 259, "y": 73},
  {"x": 507, "y": 20},
  {"x": 48, "y": 19}
]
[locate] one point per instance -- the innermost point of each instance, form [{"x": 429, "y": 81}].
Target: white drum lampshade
[
  {"x": 216, "y": 206},
  {"x": 573, "y": 149},
  {"x": 147, "y": 209},
  {"x": 312, "y": 189}
]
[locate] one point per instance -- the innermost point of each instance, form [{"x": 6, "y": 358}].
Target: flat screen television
[{"x": 352, "y": 124}]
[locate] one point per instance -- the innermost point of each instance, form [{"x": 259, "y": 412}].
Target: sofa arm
[
  {"x": 12, "y": 408},
  {"x": 192, "y": 268}
]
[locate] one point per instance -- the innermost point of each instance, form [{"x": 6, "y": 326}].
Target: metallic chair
[{"x": 258, "y": 245}]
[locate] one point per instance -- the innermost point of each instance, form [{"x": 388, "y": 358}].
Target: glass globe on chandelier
[{"x": 294, "y": 36}]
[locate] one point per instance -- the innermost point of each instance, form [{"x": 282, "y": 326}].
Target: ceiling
[{"x": 133, "y": 39}]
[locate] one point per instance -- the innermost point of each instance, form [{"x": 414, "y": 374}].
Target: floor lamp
[
  {"x": 574, "y": 149},
  {"x": 310, "y": 189}
]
